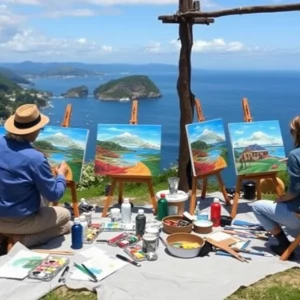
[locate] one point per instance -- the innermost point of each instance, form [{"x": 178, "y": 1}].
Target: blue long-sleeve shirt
[{"x": 25, "y": 176}]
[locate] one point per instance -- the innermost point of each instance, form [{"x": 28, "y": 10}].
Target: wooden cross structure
[{"x": 188, "y": 14}]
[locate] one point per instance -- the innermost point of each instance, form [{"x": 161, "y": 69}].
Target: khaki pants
[{"x": 47, "y": 223}]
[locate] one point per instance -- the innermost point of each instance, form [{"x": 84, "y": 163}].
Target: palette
[
  {"x": 49, "y": 268},
  {"x": 116, "y": 226},
  {"x": 135, "y": 252},
  {"x": 91, "y": 235}
]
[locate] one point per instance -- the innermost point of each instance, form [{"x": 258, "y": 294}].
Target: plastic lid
[
  {"x": 126, "y": 200},
  {"x": 149, "y": 237},
  {"x": 152, "y": 230},
  {"x": 141, "y": 211},
  {"x": 198, "y": 202},
  {"x": 162, "y": 195},
  {"x": 76, "y": 220},
  {"x": 216, "y": 200},
  {"x": 82, "y": 218}
]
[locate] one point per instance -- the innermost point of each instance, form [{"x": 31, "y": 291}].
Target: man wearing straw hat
[{"x": 25, "y": 177}]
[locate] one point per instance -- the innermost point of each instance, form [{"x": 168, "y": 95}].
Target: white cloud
[
  {"x": 153, "y": 47},
  {"x": 106, "y": 48},
  {"x": 214, "y": 45},
  {"x": 258, "y": 138},
  {"x": 239, "y": 132},
  {"x": 80, "y": 12},
  {"x": 26, "y": 2}
]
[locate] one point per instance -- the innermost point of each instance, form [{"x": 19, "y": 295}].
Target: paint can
[{"x": 249, "y": 188}]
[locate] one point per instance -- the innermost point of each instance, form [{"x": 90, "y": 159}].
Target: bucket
[
  {"x": 249, "y": 188},
  {"x": 176, "y": 203}
]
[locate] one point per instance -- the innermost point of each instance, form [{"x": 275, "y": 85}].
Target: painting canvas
[
  {"x": 207, "y": 145},
  {"x": 257, "y": 147},
  {"x": 133, "y": 150},
  {"x": 64, "y": 144}
]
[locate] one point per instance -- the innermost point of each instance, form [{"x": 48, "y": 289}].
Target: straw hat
[{"x": 27, "y": 119}]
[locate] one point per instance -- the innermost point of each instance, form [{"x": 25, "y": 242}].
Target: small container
[
  {"x": 126, "y": 211},
  {"x": 162, "y": 207},
  {"x": 149, "y": 242},
  {"x": 88, "y": 217},
  {"x": 154, "y": 231},
  {"x": 76, "y": 233},
  {"x": 84, "y": 225},
  {"x": 115, "y": 214},
  {"x": 140, "y": 223}
]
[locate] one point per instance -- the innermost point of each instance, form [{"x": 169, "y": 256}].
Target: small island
[
  {"x": 77, "y": 92},
  {"x": 126, "y": 88}
]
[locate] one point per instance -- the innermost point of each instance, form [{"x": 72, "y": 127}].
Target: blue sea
[{"x": 272, "y": 95}]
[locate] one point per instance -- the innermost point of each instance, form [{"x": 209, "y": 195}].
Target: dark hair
[{"x": 295, "y": 131}]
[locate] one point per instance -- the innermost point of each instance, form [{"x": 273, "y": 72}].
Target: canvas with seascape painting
[
  {"x": 207, "y": 145},
  {"x": 257, "y": 147},
  {"x": 133, "y": 150}
]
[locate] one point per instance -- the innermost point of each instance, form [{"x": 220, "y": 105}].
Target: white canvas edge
[{"x": 190, "y": 148}]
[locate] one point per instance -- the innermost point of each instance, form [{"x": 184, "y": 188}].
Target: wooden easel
[
  {"x": 255, "y": 177},
  {"x": 216, "y": 173},
  {"x": 122, "y": 179},
  {"x": 70, "y": 183}
]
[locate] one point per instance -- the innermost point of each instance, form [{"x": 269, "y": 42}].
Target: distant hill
[
  {"x": 67, "y": 71},
  {"x": 134, "y": 87},
  {"x": 77, "y": 92},
  {"x": 6, "y": 85},
  {"x": 13, "y": 76},
  {"x": 36, "y": 68}
]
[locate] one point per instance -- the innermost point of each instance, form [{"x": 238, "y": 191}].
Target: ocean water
[{"x": 272, "y": 96}]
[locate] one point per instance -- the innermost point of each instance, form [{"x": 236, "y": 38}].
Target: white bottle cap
[
  {"x": 216, "y": 200},
  {"x": 126, "y": 200},
  {"x": 82, "y": 218},
  {"x": 76, "y": 220},
  {"x": 141, "y": 211}
]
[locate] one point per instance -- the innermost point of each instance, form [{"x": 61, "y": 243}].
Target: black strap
[{"x": 27, "y": 125}]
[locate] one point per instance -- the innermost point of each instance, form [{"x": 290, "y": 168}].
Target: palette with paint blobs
[
  {"x": 49, "y": 268},
  {"x": 136, "y": 252}
]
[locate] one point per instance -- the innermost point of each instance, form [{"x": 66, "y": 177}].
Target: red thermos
[{"x": 215, "y": 213}]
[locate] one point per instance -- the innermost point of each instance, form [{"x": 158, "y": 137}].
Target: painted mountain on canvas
[
  {"x": 207, "y": 145},
  {"x": 132, "y": 150},
  {"x": 64, "y": 144}
]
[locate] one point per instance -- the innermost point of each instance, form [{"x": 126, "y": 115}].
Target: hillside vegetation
[{"x": 133, "y": 87}]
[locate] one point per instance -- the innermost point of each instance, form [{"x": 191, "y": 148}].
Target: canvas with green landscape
[{"x": 64, "y": 144}]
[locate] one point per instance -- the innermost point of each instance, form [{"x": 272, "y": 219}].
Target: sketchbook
[{"x": 21, "y": 264}]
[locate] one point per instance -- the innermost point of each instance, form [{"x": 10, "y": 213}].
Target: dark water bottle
[
  {"x": 162, "y": 207},
  {"x": 76, "y": 232},
  {"x": 140, "y": 223}
]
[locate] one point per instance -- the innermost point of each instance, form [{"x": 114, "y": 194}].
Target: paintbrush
[{"x": 54, "y": 252}]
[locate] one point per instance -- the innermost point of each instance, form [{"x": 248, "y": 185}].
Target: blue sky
[
  {"x": 264, "y": 133},
  {"x": 196, "y": 129},
  {"x": 118, "y": 31},
  {"x": 147, "y": 133},
  {"x": 77, "y": 135}
]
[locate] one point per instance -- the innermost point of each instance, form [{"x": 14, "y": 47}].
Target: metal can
[
  {"x": 149, "y": 243},
  {"x": 154, "y": 231}
]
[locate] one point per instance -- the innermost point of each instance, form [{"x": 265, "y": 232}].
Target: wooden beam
[
  {"x": 243, "y": 11},
  {"x": 230, "y": 12},
  {"x": 176, "y": 20}
]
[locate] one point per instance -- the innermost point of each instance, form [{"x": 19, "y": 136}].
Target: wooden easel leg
[
  {"x": 109, "y": 198},
  {"x": 121, "y": 188},
  {"x": 204, "y": 188},
  {"x": 222, "y": 188},
  {"x": 152, "y": 194},
  {"x": 74, "y": 199},
  {"x": 276, "y": 186},
  {"x": 258, "y": 189},
  {"x": 194, "y": 195},
  {"x": 236, "y": 196}
]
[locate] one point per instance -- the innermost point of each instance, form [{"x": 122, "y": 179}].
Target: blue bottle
[{"x": 76, "y": 232}]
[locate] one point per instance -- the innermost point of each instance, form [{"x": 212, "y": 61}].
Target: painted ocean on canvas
[
  {"x": 2, "y": 130},
  {"x": 207, "y": 145},
  {"x": 133, "y": 150},
  {"x": 257, "y": 147},
  {"x": 64, "y": 144}
]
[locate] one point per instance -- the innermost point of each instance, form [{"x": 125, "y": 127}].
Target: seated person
[
  {"x": 285, "y": 209},
  {"x": 25, "y": 177}
]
